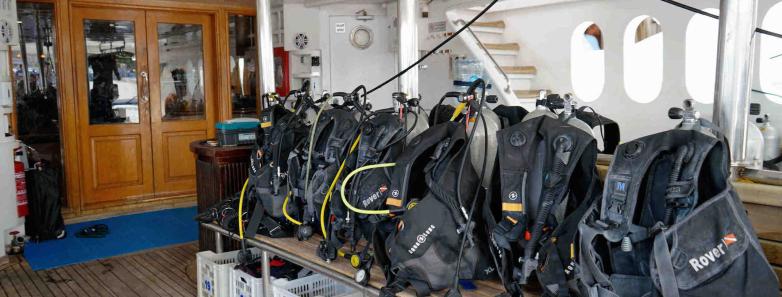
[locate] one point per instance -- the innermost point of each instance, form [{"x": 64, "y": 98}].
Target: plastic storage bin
[
  {"x": 245, "y": 285},
  {"x": 233, "y": 133},
  {"x": 214, "y": 272},
  {"x": 316, "y": 285}
]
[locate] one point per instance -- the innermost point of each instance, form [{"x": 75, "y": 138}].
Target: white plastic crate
[
  {"x": 245, "y": 285},
  {"x": 316, "y": 285},
  {"x": 214, "y": 272}
]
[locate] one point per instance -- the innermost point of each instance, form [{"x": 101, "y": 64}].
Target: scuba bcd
[{"x": 669, "y": 222}]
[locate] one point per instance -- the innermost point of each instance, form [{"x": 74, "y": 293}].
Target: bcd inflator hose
[
  {"x": 331, "y": 187},
  {"x": 345, "y": 182}
]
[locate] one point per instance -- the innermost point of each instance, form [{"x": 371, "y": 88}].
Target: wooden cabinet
[{"x": 220, "y": 172}]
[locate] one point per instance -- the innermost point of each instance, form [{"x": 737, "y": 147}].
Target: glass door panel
[
  {"x": 111, "y": 71},
  {"x": 180, "y": 49}
]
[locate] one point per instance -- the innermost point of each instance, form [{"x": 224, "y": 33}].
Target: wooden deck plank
[
  {"x": 21, "y": 283},
  {"x": 82, "y": 283},
  {"x": 163, "y": 273},
  {"x": 5, "y": 284},
  {"x": 178, "y": 272},
  {"x": 50, "y": 281},
  {"x": 119, "y": 270},
  {"x": 150, "y": 273},
  {"x": 103, "y": 273},
  {"x": 70, "y": 282},
  {"x": 91, "y": 282},
  {"x": 38, "y": 282},
  {"x": 68, "y": 286},
  {"x": 176, "y": 260},
  {"x": 160, "y": 287}
]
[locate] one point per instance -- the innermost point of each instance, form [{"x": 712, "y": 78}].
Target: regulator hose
[
  {"x": 285, "y": 210},
  {"x": 345, "y": 182},
  {"x": 241, "y": 202},
  {"x": 331, "y": 187},
  {"x": 309, "y": 151}
]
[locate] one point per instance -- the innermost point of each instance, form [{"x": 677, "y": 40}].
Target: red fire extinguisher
[{"x": 21, "y": 189}]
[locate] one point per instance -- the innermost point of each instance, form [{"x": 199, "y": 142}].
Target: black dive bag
[
  {"x": 548, "y": 181},
  {"x": 670, "y": 224},
  {"x": 420, "y": 247},
  {"x": 268, "y": 170}
]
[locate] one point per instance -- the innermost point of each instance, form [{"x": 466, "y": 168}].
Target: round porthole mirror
[{"x": 361, "y": 37}]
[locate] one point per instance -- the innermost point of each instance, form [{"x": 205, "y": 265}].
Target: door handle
[{"x": 144, "y": 86}]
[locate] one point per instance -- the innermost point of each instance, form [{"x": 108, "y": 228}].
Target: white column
[
  {"x": 735, "y": 56},
  {"x": 265, "y": 46},
  {"x": 408, "y": 46}
]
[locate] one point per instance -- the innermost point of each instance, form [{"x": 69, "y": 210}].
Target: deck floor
[{"x": 160, "y": 272}]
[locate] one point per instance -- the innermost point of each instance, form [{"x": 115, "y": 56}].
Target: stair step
[
  {"x": 495, "y": 24},
  {"x": 529, "y": 70},
  {"x": 502, "y": 46},
  {"x": 527, "y": 94}
]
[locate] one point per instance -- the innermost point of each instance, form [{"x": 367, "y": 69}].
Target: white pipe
[
  {"x": 735, "y": 56},
  {"x": 408, "y": 46},
  {"x": 265, "y": 45}
]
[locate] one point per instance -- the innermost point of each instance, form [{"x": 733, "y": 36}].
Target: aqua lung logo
[
  {"x": 513, "y": 195},
  {"x": 701, "y": 262},
  {"x": 421, "y": 238},
  {"x": 376, "y": 195},
  {"x": 395, "y": 193}
]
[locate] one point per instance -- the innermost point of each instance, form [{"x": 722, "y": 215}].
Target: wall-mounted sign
[
  {"x": 435, "y": 27},
  {"x": 339, "y": 28}
]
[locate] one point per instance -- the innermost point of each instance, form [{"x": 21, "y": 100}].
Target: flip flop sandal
[{"x": 94, "y": 231}]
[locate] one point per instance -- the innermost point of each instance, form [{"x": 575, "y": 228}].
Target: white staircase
[{"x": 512, "y": 82}]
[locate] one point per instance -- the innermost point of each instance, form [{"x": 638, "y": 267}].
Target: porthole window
[
  {"x": 643, "y": 59},
  {"x": 587, "y": 61},
  {"x": 700, "y": 56},
  {"x": 771, "y": 56}
]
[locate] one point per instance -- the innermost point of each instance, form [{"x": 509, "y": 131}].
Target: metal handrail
[{"x": 461, "y": 22}]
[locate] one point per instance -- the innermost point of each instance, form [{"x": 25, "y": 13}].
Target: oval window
[
  {"x": 771, "y": 56},
  {"x": 643, "y": 59},
  {"x": 587, "y": 61},
  {"x": 700, "y": 56}
]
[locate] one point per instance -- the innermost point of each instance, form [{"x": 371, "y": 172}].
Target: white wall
[
  {"x": 544, "y": 35},
  {"x": 314, "y": 21}
]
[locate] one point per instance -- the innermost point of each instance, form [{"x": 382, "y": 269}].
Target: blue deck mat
[{"x": 128, "y": 234}]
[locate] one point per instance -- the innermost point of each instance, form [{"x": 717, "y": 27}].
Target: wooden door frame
[
  {"x": 67, "y": 92},
  {"x": 225, "y": 108},
  {"x": 165, "y": 185}
]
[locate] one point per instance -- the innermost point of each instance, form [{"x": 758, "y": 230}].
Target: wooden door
[
  {"x": 113, "y": 118},
  {"x": 182, "y": 95}
]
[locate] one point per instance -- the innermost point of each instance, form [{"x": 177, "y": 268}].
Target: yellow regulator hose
[
  {"x": 345, "y": 182},
  {"x": 458, "y": 110},
  {"x": 331, "y": 187},
  {"x": 285, "y": 210},
  {"x": 241, "y": 202}
]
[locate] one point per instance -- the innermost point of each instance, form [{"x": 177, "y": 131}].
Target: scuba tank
[
  {"x": 755, "y": 142},
  {"x": 770, "y": 139},
  {"x": 415, "y": 119},
  {"x": 544, "y": 106},
  {"x": 484, "y": 145},
  {"x": 568, "y": 115},
  {"x": 670, "y": 223}
]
